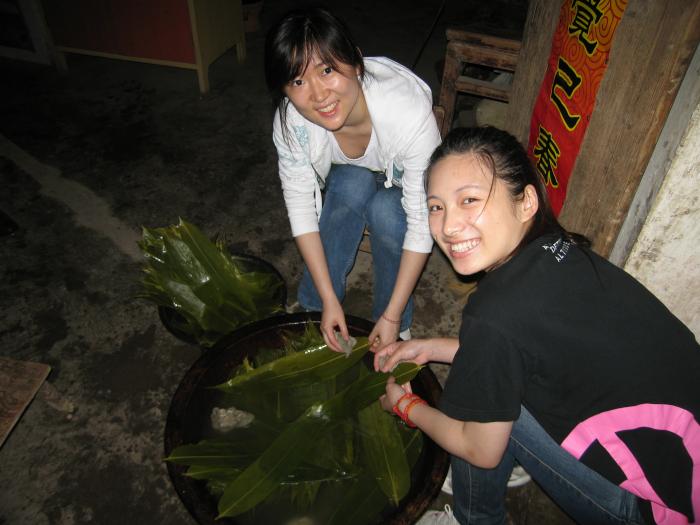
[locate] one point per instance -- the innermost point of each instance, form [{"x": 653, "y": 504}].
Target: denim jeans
[
  {"x": 585, "y": 495},
  {"x": 355, "y": 197}
]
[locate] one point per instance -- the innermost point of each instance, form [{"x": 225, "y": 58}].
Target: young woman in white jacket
[{"x": 353, "y": 137}]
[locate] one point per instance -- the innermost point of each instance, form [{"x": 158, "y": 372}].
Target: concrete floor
[{"x": 89, "y": 157}]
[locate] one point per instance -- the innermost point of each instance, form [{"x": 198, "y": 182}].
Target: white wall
[{"x": 666, "y": 255}]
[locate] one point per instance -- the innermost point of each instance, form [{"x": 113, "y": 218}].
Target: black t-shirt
[{"x": 594, "y": 356}]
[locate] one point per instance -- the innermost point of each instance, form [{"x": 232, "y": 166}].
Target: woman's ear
[{"x": 529, "y": 204}]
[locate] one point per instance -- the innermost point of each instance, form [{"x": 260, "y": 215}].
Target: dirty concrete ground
[{"x": 87, "y": 158}]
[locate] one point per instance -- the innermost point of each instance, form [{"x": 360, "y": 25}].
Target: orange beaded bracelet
[
  {"x": 407, "y": 410},
  {"x": 413, "y": 401},
  {"x": 396, "y": 409}
]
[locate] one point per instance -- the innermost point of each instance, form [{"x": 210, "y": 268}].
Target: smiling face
[
  {"x": 331, "y": 98},
  {"x": 473, "y": 217}
]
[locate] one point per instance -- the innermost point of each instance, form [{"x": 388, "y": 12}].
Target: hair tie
[{"x": 392, "y": 321}]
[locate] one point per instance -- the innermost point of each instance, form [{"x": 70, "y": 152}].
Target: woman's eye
[
  {"x": 469, "y": 200},
  {"x": 297, "y": 82},
  {"x": 434, "y": 208},
  {"x": 327, "y": 70}
]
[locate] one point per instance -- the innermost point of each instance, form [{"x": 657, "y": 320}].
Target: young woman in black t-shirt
[{"x": 565, "y": 363}]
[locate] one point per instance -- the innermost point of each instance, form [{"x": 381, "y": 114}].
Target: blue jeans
[
  {"x": 354, "y": 198},
  {"x": 585, "y": 495}
]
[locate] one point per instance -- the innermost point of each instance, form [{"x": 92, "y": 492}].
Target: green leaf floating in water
[
  {"x": 386, "y": 460},
  {"x": 364, "y": 500},
  {"x": 315, "y": 364},
  {"x": 278, "y": 385},
  {"x": 304, "y": 473},
  {"x": 216, "y": 453},
  {"x": 213, "y": 291},
  {"x": 264, "y": 475},
  {"x": 298, "y": 440}
]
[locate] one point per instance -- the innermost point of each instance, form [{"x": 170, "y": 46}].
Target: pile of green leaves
[
  {"x": 320, "y": 441},
  {"x": 213, "y": 292}
]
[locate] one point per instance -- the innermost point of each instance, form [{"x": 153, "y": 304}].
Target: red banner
[{"x": 563, "y": 108}]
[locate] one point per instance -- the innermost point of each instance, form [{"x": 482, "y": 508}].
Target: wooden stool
[
  {"x": 365, "y": 246},
  {"x": 467, "y": 48}
]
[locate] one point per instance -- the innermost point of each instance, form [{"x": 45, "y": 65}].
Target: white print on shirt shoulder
[
  {"x": 559, "y": 249},
  {"x": 302, "y": 135}
]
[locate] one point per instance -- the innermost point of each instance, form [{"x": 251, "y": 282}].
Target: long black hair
[
  {"x": 507, "y": 160},
  {"x": 295, "y": 38}
]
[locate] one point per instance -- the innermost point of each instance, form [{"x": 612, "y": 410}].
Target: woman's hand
[
  {"x": 393, "y": 394},
  {"x": 331, "y": 318},
  {"x": 383, "y": 333},
  {"x": 419, "y": 351}
]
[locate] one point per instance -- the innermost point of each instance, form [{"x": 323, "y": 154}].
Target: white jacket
[{"x": 401, "y": 107}]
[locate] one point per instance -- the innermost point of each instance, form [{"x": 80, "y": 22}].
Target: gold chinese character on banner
[
  {"x": 547, "y": 153},
  {"x": 568, "y": 81},
  {"x": 587, "y": 14}
]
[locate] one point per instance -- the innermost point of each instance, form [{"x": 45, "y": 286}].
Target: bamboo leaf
[
  {"x": 211, "y": 289},
  {"x": 364, "y": 500},
  {"x": 237, "y": 450},
  {"x": 206, "y": 454},
  {"x": 211, "y": 473},
  {"x": 304, "y": 473},
  {"x": 368, "y": 389},
  {"x": 263, "y": 476},
  {"x": 384, "y": 452},
  {"x": 289, "y": 403},
  {"x": 239, "y": 447},
  {"x": 298, "y": 439},
  {"x": 316, "y": 363},
  {"x": 307, "y": 473},
  {"x": 302, "y": 495},
  {"x": 362, "y": 503}
]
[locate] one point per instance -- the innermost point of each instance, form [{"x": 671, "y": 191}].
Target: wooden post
[
  {"x": 541, "y": 21},
  {"x": 650, "y": 54}
]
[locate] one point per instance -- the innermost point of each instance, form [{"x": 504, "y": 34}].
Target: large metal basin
[{"x": 189, "y": 416}]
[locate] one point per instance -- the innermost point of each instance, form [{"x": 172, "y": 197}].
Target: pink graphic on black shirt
[{"x": 604, "y": 427}]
